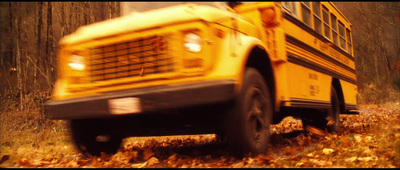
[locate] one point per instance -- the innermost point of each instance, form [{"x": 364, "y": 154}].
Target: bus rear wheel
[
  {"x": 318, "y": 122},
  {"x": 332, "y": 117}
]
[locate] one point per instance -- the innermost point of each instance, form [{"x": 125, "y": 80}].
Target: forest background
[{"x": 30, "y": 32}]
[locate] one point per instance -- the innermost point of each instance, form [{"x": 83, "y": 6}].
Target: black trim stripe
[
  {"x": 305, "y": 46},
  {"x": 308, "y": 64},
  {"x": 315, "y": 34},
  {"x": 307, "y": 103},
  {"x": 350, "y": 107}
]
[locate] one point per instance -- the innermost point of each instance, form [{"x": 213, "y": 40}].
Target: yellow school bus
[{"x": 192, "y": 68}]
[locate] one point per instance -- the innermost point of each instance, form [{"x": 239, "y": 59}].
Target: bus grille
[{"x": 137, "y": 58}]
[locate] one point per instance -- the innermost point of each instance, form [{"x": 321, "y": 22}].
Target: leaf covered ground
[{"x": 368, "y": 140}]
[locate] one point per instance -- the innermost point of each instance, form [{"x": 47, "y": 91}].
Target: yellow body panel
[
  {"x": 305, "y": 83},
  {"x": 351, "y": 92}
]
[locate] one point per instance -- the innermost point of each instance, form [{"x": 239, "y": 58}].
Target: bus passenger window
[
  {"x": 325, "y": 15},
  {"x": 306, "y": 13},
  {"x": 292, "y": 7},
  {"x": 334, "y": 30},
  {"x": 317, "y": 17},
  {"x": 342, "y": 36},
  {"x": 349, "y": 47}
]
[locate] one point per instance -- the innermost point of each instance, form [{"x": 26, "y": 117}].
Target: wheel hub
[{"x": 256, "y": 112}]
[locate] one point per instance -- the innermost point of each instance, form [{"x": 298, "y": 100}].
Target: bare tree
[{"x": 30, "y": 32}]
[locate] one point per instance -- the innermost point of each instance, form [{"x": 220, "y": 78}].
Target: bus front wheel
[
  {"x": 248, "y": 127},
  {"x": 92, "y": 136}
]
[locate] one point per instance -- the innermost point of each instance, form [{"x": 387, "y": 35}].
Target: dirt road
[{"x": 368, "y": 140}]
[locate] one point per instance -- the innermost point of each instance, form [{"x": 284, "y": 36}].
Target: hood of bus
[{"x": 147, "y": 20}]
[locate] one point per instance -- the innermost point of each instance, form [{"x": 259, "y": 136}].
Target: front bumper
[{"x": 152, "y": 99}]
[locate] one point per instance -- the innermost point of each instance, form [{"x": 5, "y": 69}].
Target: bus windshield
[{"x": 129, "y": 7}]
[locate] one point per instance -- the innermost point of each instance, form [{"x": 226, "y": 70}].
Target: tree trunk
[
  {"x": 49, "y": 43},
  {"x": 86, "y": 16},
  {"x": 18, "y": 59},
  {"x": 39, "y": 41},
  {"x": 63, "y": 22},
  {"x": 11, "y": 45}
]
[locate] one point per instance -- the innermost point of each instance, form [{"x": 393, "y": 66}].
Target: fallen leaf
[
  {"x": 81, "y": 161},
  {"x": 367, "y": 151},
  {"x": 364, "y": 158},
  {"x": 345, "y": 141},
  {"x": 321, "y": 162},
  {"x": 139, "y": 165},
  {"x": 147, "y": 154},
  {"x": 73, "y": 163},
  {"x": 40, "y": 163},
  {"x": 95, "y": 162},
  {"x": 327, "y": 151},
  {"x": 173, "y": 157},
  {"x": 290, "y": 150},
  {"x": 250, "y": 160},
  {"x": 300, "y": 140},
  {"x": 315, "y": 130},
  {"x": 368, "y": 138},
  {"x": 261, "y": 158},
  {"x": 330, "y": 121},
  {"x": 238, "y": 165},
  {"x": 4, "y": 158},
  {"x": 103, "y": 156},
  {"x": 152, "y": 161},
  {"x": 358, "y": 138},
  {"x": 134, "y": 155},
  {"x": 352, "y": 159},
  {"x": 299, "y": 164},
  {"x": 24, "y": 162}
]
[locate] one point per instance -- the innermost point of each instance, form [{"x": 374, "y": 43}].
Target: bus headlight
[
  {"x": 76, "y": 62},
  {"x": 192, "y": 42}
]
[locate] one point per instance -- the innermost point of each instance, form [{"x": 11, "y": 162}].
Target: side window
[
  {"x": 292, "y": 7},
  {"x": 306, "y": 13},
  {"x": 334, "y": 30},
  {"x": 342, "y": 36},
  {"x": 317, "y": 17},
  {"x": 325, "y": 15},
  {"x": 349, "y": 46}
]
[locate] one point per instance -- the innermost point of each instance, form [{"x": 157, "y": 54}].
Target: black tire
[
  {"x": 332, "y": 117},
  {"x": 220, "y": 138},
  {"x": 248, "y": 125},
  {"x": 314, "y": 121},
  {"x": 322, "y": 121},
  {"x": 92, "y": 136}
]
